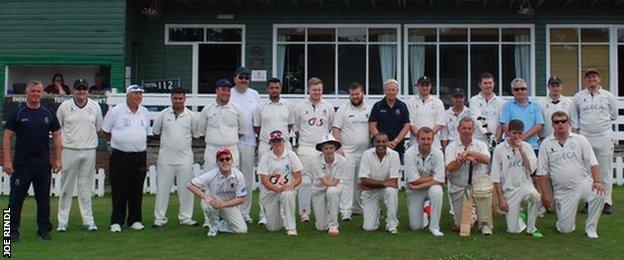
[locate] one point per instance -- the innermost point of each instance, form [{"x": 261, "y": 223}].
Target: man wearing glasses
[
  {"x": 222, "y": 189},
  {"x": 525, "y": 110},
  {"x": 80, "y": 119}
]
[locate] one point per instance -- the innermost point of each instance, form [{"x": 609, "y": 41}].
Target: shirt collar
[{"x": 184, "y": 112}]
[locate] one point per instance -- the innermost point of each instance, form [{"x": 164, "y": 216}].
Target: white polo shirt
[
  {"x": 593, "y": 114},
  {"x": 380, "y": 170},
  {"x": 459, "y": 177},
  {"x": 79, "y": 125},
  {"x": 313, "y": 121},
  {"x": 353, "y": 124},
  {"x": 128, "y": 130},
  {"x": 280, "y": 168},
  {"x": 549, "y": 107},
  {"x": 507, "y": 167},
  {"x": 418, "y": 165},
  {"x": 427, "y": 113},
  {"x": 221, "y": 124},
  {"x": 567, "y": 164},
  {"x": 271, "y": 116},
  {"x": 490, "y": 110},
  {"x": 449, "y": 131},
  {"x": 320, "y": 169},
  {"x": 248, "y": 101},
  {"x": 176, "y": 136},
  {"x": 224, "y": 188}
]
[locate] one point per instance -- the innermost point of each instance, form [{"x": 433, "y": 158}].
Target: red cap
[
  {"x": 277, "y": 134},
  {"x": 222, "y": 151}
]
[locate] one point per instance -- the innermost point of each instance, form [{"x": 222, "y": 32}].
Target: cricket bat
[{"x": 466, "y": 210}]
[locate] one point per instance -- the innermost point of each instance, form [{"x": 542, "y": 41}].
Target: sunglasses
[
  {"x": 82, "y": 88},
  {"x": 243, "y": 77},
  {"x": 519, "y": 89},
  {"x": 225, "y": 159},
  {"x": 556, "y": 122}
]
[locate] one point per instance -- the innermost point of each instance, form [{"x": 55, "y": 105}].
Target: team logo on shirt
[
  {"x": 397, "y": 112},
  {"x": 315, "y": 121},
  {"x": 278, "y": 178},
  {"x": 46, "y": 120}
]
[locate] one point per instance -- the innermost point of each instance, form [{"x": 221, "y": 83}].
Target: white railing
[{"x": 55, "y": 185}]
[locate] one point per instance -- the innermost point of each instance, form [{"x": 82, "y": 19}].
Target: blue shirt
[
  {"x": 390, "y": 120},
  {"x": 32, "y": 129},
  {"x": 530, "y": 115}
]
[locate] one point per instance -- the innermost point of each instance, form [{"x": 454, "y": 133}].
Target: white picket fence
[{"x": 55, "y": 185}]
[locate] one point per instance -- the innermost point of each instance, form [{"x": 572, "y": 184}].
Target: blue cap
[
  {"x": 242, "y": 70},
  {"x": 224, "y": 83}
]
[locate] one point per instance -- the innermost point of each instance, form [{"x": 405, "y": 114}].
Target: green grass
[{"x": 177, "y": 242}]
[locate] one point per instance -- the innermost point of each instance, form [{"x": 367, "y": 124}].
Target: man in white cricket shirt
[
  {"x": 457, "y": 111},
  {"x": 80, "y": 119},
  {"x": 328, "y": 172},
  {"x": 379, "y": 181},
  {"x": 176, "y": 126},
  {"x": 222, "y": 189},
  {"x": 489, "y": 106},
  {"x": 568, "y": 159},
  {"x": 424, "y": 172},
  {"x": 313, "y": 119},
  {"x": 513, "y": 163},
  {"x": 351, "y": 128},
  {"x": 426, "y": 110},
  {"x": 553, "y": 102},
  {"x": 593, "y": 112}
]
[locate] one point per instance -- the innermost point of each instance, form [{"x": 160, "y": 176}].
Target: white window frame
[
  {"x": 612, "y": 50},
  {"x": 469, "y": 43},
  {"x": 336, "y": 44},
  {"x": 195, "y": 45}
]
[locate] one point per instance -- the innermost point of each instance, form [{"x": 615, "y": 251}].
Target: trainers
[
  {"x": 212, "y": 232},
  {"x": 262, "y": 221},
  {"x": 45, "y": 236},
  {"x": 536, "y": 234},
  {"x": 91, "y": 227},
  {"x": 584, "y": 210},
  {"x": 333, "y": 231},
  {"x": 115, "y": 228},
  {"x": 61, "y": 228},
  {"x": 291, "y": 232},
  {"x": 486, "y": 230},
  {"x": 248, "y": 219},
  {"x": 393, "y": 231},
  {"x": 346, "y": 217},
  {"x": 436, "y": 232},
  {"x": 137, "y": 226},
  {"x": 189, "y": 223},
  {"x": 158, "y": 225},
  {"x": 592, "y": 234},
  {"x": 607, "y": 209},
  {"x": 305, "y": 218}
]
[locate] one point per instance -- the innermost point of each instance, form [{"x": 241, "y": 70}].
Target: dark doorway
[{"x": 217, "y": 61}]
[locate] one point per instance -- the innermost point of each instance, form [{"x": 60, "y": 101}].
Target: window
[
  {"x": 573, "y": 50},
  {"x": 17, "y": 76},
  {"x": 620, "y": 61},
  {"x": 455, "y": 55},
  {"x": 337, "y": 54}
]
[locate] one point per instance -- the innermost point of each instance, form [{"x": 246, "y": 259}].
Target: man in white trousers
[
  {"x": 328, "y": 171},
  {"x": 568, "y": 159},
  {"x": 176, "y": 127},
  {"x": 379, "y": 181},
  {"x": 513, "y": 163},
  {"x": 80, "y": 119},
  {"x": 351, "y": 128},
  {"x": 553, "y": 102},
  {"x": 249, "y": 100},
  {"x": 280, "y": 174},
  {"x": 426, "y": 110},
  {"x": 424, "y": 172},
  {"x": 313, "y": 119},
  {"x": 222, "y": 189},
  {"x": 592, "y": 114}
]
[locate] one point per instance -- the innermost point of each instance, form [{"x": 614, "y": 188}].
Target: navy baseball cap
[
  {"x": 591, "y": 71},
  {"x": 458, "y": 92},
  {"x": 242, "y": 71},
  {"x": 554, "y": 80},
  {"x": 424, "y": 80},
  {"x": 224, "y": 83},
  {"x": 81, "y": 84}
]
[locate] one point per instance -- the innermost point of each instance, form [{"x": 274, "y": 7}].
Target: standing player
[
  {"x": 31, "y": 124},
  {"x": 592, "y": 114},
  {"x": 328, "y": 171},
  {"x": 280, "y": 173},
  {"x": 489, "y": 106},
  {"x": 176, "y": 126},
  {"x": 391, "y": 116},
  {"x": 512, "y": 165},
  {"x": 222, "y": 189},
  {"x": 424, "y": 171},
  {"x": 379, "y": 176},
  {"x": 454, "y": 113},
  {"x": 525, "y": 110},
  {"x": 426, "y": 110},
  {"x": 313, "y": 119},
  {"x": 351, "y": 128},
  {"x": 570, "y": 162},
  {"x": 80, "y": 118},
  {"x": 553, "y": 102}
]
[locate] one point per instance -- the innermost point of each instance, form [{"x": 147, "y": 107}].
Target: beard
[{"x": 359, "y": 102}]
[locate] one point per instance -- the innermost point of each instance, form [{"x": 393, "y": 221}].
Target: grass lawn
[{"x": 175, "y": 241}]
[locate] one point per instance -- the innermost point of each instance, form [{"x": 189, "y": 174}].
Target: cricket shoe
[
  {"x": 137, "y": 226},
  {"x": 486, "y": 230},
  {"x": 591, "y": 234},
  {"x": 262, "y": 221},
  {"x": 436, "y": 232},
  {"x": 305, "y": 218},
  {"x": 115, "y": 228},
  {"x": 189, "y": 223},
  {"x": 61, "y": 228},
  {"x": 393, "y": 231},
  {"x": 91, "y": 227},
  {"x": 291, "y": 232},
  {"x": 248, "y": 219},
  {"x": 212, "y": 232}
]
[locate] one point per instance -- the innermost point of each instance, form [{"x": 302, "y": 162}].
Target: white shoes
[
  {"x": 115, "y": 228},
  {"x": 248, "y": 219},
  {"x": 262, "y": 221},
  {"x": 91, "y": 227},
  {"x": 137, "y": 226},
  {"x": 486, "y": 230},
  {"x": 61, "y": 228},
  {"x": 436, "y": 232},
  {"x": 592, "y": 234},
  {"x": 189, "y": 222},
  {"x": 291, "y": 232},
  {"x": 305, "y": 218}
]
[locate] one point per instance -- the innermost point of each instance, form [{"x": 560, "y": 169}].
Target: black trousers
[
  {"x": 40, "y": 177},
  {"x": 127, "y": 174}
]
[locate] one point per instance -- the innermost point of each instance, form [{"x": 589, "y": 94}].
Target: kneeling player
[{"x": 327, "y": 171}]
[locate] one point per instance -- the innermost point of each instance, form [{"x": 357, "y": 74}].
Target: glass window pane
[
  {"x": 453, "y": 70},
  {"x": 453, "y": 34},
  {"x": 564, "y": 35},
  {"x": 564, "y": 63},
  {"x": 351, "y": 34},
  {"x": 422, "y": 61},
  {"x": 229, "y": 57},
  {"x": 321, "y": 64},
  {"x": 382, "y": 35},
  {"x": 422, "y": 35},
  {"x": 186, "y": 34},
  {"x": 351, "y": 67},
  {"x": 321, "y": 34},
  {"x": 516, "y": 35},
  {"x": 595, "y": 35},
  {"x": 290, "y": 34},
  {"x": 223, "y": 35},
  {"x": 484, "y": 34},
  {"x": 290, "y": 68},
  {"x": 620, "y": 35},
  {"x": 516, "y": 64},
  {"x": 620, "y": 70},
  {"x": 382, "y": 65},
  {"x": 483, "y": 58},
  {"x": 596, "y": 57}
]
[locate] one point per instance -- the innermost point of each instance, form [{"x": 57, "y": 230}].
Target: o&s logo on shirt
[{"x": 315, "y": 121}]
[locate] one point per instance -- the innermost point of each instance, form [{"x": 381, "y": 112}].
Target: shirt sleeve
[
  {"x": 406, "y": 115},
  {"x": 542, "y": 160},
  {"x": 439, "y": 169},
  {"x": 531, "y": 156},
  {"x": 241, "y": 120},
  {"x": 496, "y": 164},
  {"x": 505, "y": 116},
  {"x": 194, "y": 124},
  {"x": 158, "y": 122},
  {"x": 539, "y": 117},
  {"x": 613, "y": 109},
  {"x": 411, "y": 173},
  {"x": 330, "y": 115},
  {"x": 589, "y": 157},
  {"x": 55, "y": 126},
  {"x": 440, "y": 114},
  {"x": 364, "y": 167},
  {"x": 241, "y": 186},
  {"x": 60, "y": 114},
  {"x": 449, "y": 153},
  {"x": 263, "y": 165},
  {"x": 295, "y": 162},
  {"x": 99, "y": 118},
  {"x": 201, "y": 181},
  {"x": 11, "y": 121},
  {"x": 257, "y": 118},
  {"x": 109, "y": 120},
  {"x": 574, "y": 113},
  {"x": 291, "y": 114},
  {"x": 395, "y": 166},
  {"x": 338, "y": 119}
]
